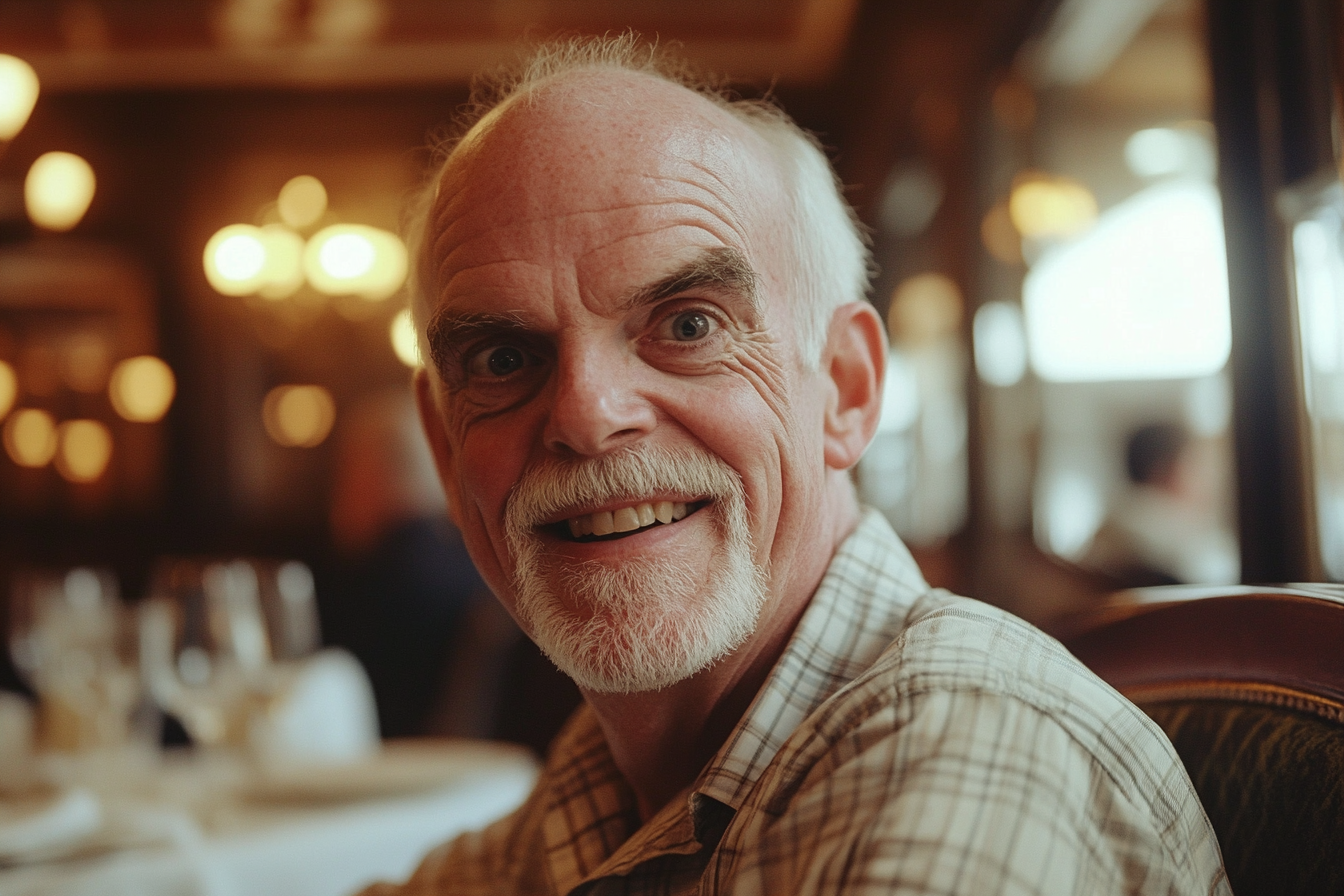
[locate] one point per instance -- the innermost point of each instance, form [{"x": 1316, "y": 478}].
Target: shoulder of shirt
[{"x": 957, "y": 648}]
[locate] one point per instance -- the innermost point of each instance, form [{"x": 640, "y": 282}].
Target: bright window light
[
  {"x": 1142, "y": 295},
  {"x": 900, "y": 395},
  {"x": 1000, "y": 344}
]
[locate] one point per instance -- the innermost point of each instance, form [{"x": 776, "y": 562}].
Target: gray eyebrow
[
  {"x": 446, "y": 329},
  {"x": 721, "y": 268}
]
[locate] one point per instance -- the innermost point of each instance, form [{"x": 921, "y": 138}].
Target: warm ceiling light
[
  {"x": 298, "y": 416},
  {"x": 18, "y": 95},
  {"x": 404, "y": 341},
  {"x": 142, "y": 388},
  {"x": 58, "y": 190},
  {"x": 303, "y": 200},
  {"x": 30, "y": 437},
  {"x": 85, "y": 449},
  {"x": 9, "y": 388},
  {"x": 282, "y": 274},
  {"x": 1044, "y": 207},
  {"x": 352, "y": 259},
  {"x": 235, "y": 260}
]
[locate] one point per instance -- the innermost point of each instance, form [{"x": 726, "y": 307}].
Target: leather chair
[{"x": 1248, "y": 683}]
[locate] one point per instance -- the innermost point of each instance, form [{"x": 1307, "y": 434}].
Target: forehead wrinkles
[{"x": 709, "y": 177}]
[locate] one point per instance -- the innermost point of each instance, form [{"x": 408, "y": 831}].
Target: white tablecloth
[{"x": 298, "y": 840}]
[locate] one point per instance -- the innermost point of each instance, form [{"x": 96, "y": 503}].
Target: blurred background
[{"x": 1108, "y": 237}]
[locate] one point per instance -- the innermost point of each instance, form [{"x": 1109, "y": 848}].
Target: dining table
[{"x": 192, "y": 823}]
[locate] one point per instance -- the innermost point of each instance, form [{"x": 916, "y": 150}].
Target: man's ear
[
  {"x": 855, "y": 361},
  {"x": 431, "y": 420}
]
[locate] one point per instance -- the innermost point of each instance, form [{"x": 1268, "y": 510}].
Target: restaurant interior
[{"x": 1116, "y": 320}]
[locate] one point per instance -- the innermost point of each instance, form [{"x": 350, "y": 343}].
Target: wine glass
[
  {"x": 204, "y": 648},
  {"x": 69, "y": 637}
]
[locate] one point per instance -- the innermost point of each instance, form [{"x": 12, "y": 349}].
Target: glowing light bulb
[
  {"x": 9, "y": 388},
  {"x": 347, "y": 256},
  {"x": 404, "y": 340},
  {"x": 85, "y": 448},
  {"x": 18, "y": 94},
  {"x": 298, "y": 416},
  {"x": 142, "y": 388},
  {"x": 30, "y": 437},
  {"x": 303, "y": 200},
  {"x": 235, "y": 260},
  {"x": 282, "y": 274},
  {"x": 58, "y": 190},
  {"x": 352, "y": 259}
]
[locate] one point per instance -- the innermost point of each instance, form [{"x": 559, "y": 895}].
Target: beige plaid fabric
[{"x": 908, "y": 741}]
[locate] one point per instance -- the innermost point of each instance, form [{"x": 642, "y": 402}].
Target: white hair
[{"x": 833, "y": 259}]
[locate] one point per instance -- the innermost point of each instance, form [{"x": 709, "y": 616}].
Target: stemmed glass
[
  {"x": 203, "y": 646},
  {"x": 213, "y": 636},
  {"x": 69, "y": 638}
]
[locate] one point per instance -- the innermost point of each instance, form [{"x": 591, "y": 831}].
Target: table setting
[{"x": 285, "y": 787}]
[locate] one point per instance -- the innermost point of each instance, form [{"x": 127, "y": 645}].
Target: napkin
[{"x": 322, "y": 711}]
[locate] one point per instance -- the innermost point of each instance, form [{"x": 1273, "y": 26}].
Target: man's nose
[{"x": 597, "y": 406}]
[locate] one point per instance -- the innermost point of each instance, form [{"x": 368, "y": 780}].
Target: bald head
[{"x": 590, "y": 106}]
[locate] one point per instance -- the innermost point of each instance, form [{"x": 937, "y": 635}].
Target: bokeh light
[
  {"x": 298, "y": 416},
  {"x": 303, "y": 200},
  {"x": 924, "y": 308},
  {"x": 85, "y": 448},
  {"x": 1000, "y": 236},
  {"x": 9, "y": 388},
  {"x": 282, "y": 274},
  {"x": 1045, "y": 207},
  {"x": 142, "y": 388},
  {"x": 18, "y": 94},
  {"x": 404, "y": 341},
  {"x": 58, "y": 190},
  {"x": 1000, "y": 343},
  {"x": 235, "y": 260},
  {"x": 30, "y": 437},
  {"x": 353, "y": 259}
]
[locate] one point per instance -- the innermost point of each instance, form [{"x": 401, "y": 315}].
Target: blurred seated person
[
  {"x": 400, "y": 591},
  {"x": 1167, "y": 528}
]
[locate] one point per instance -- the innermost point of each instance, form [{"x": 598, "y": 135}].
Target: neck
[{"x": 662, "y": 740}]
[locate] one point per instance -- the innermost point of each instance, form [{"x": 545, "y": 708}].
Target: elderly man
[{"x": 652, "y": 367}]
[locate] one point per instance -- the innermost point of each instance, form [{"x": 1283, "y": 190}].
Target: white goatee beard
[{"x": 653, "y": 622}]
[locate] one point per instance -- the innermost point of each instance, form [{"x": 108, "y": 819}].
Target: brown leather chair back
[{"x": 1249, "y": 686}]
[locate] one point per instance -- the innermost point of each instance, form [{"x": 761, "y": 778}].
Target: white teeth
[
  {"x": 626, "y": 519},
  {"x": 603, "y": 523},
  {"x": 662, "y": 511}
]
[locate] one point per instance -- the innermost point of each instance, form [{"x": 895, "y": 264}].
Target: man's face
[{"x": 627, "y": 438}]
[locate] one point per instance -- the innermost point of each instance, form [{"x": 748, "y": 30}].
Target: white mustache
[{"x": 633, "y": 474}]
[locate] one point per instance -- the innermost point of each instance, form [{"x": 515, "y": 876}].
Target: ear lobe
[
  {"x": 431, "y": 420},
  {"x": 855, "y": 362}
]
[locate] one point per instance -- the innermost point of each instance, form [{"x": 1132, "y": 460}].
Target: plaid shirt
[{"x": 907, "y": 741}]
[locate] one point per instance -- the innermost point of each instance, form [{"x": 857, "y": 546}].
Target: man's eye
[
  {"x": 691, "y": 326},
  {"x": 497, "y": 361}
]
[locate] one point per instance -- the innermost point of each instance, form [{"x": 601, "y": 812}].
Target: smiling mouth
[{"x": 609, "y": 525}]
